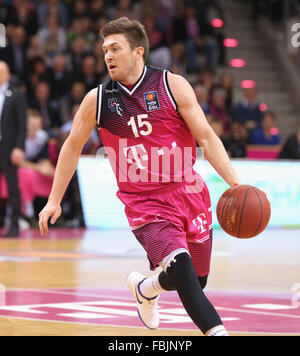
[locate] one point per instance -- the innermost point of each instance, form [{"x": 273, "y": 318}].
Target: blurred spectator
[
  {"x": 15, "y": 53},
  {"x": 236, "y": 143},
  {"x": 165, "y": 11},
  {"x": 227, "y": 85},
  {"x": 155, "y": 36},
  {"x": 12, "y": 141},
  {"x": 34, "y": 48},
  {"x": 122, "y": 8},
  {"x": 247, "y": 111},
  {"x": 81, "y": 27},
  {"x": 201, "y": 96},
  {"x": 79, "y": 9},
  {"x": 178, "y": 58},
  {"x": 74, "y": 97},
  {"x": 207, "y": 78},
  {"x": 265, "y": 135},
  {"x": 186, "y": 30},
  {"x": 98, "y": 10},
  {"x": 97, "y": 25},
  {"x": 52, "y": 37},
  {"x": 5, "y": 11},
  {"x": 58, "y": 77},
  {"x": 23, "y": 13},
  {"x": 88, "y": 74},
  {"x": 37, "y": 72},
  {"x": 218, "y": 108},
  {"x": 206, "y": 11},
  {"x": 291, "y": 148},
  {"x": 160, "y": 55},
  {"x": 78, "y": 49},
  {"x": 53, "y": 8},
  {"x": 36, "y": 172},
  {"x": 49, "y": 110}
]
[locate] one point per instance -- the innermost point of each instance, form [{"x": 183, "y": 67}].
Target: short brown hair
[
  {"x": 33, "y": 113},
  {"x": 133, "y": 30}
]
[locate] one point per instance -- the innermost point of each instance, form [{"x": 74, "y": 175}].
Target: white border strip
[
  {"x": 167, "y": 89},
  {"x": 99, "y": 104}
]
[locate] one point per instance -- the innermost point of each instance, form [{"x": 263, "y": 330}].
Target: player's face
[{"x": 119, "y": 57}]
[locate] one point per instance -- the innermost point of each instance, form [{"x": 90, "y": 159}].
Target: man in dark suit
[{"x": 12, "y": 141}]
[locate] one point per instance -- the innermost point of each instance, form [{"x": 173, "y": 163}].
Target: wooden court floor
[{"x": 75, "y": 260}]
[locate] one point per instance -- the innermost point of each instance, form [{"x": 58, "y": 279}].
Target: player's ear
[{"x": 140, "y": 51}]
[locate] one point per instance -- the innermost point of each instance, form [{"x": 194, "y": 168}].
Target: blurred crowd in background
[{"x": 55, "y": 57}]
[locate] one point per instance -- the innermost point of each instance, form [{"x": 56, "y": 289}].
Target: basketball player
[{"x": 148, "y": 120}]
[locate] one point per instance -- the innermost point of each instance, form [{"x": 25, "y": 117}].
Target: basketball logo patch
[{"x": 151, "y": 100}]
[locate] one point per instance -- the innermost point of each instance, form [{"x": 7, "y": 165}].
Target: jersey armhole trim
[
  {"x": 99, "y": 104},
  {"x": 169, "y": 90}
]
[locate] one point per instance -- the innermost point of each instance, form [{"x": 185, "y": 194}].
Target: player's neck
[{"x": 134, "y": 77}]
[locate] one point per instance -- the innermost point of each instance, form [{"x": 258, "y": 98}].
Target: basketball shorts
[{"x": 172, "y": 220}]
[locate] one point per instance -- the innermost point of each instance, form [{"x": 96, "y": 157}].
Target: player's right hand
[{"x": 52, "y": 211}]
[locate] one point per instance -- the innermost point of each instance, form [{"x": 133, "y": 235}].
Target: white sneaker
[{"x": 147, "y": 308}]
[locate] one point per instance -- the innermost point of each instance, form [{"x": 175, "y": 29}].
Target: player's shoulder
[
  {"x": 177, "y": 80},
  {"x": 180, "y": 88},
  {"x": 91, "y": 96},
  {"x": 89, "y": 103}
]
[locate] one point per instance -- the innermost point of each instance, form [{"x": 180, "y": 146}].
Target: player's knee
[{"x": 175, "y": 260}]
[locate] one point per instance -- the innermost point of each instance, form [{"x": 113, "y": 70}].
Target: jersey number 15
[{"x": 143, "y": 128}]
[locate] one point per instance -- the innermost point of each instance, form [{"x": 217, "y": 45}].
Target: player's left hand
[{"x": 52, "y": 211}]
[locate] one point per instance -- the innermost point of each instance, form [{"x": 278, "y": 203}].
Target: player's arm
[
  {"x": 83, "y": 124},
  {"x": 195, "y": 119}
]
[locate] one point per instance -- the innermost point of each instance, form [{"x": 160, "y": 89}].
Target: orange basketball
[{"x": 243, "y": 211}]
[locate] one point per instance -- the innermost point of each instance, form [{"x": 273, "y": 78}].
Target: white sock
[
  {"x": 151, "y": 287},
  {"x": 218, "y": 331}
]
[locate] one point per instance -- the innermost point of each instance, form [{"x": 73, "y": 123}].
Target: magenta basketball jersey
[{"x": 147, "y": 142}]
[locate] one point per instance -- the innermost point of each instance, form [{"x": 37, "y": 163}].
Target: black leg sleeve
[
  {"x": 182, "y": 275},
  {"x": 167, "y": 284}
]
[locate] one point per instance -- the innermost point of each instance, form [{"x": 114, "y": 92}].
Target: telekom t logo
[
  {"x": 199, "y": 222},
  {"x": 139, "y": 154}
]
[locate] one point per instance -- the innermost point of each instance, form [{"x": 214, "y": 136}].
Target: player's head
[{"x": 125, "y": 45}]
